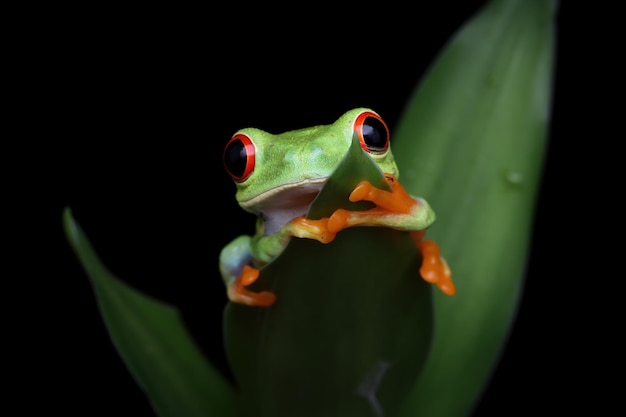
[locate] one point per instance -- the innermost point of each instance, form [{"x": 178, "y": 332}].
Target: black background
[{"x": 131, "y": 109}]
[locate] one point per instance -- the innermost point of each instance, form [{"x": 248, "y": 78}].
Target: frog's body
[{"x": 277, "y": 178}]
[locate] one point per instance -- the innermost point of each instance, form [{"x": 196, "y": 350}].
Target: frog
[{"x": 277, "y": 177}]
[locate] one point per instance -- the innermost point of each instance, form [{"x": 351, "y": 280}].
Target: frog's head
[{"x": 278, "y": 176}]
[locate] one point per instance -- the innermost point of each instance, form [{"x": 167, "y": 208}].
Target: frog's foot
[
  {"x": 434, "y": 267},
  {"x": 395, "y": 204},
  {"x": 311, "y": 229},
  {"x": 395, "y": 201},
  {"x": 237, "y": 293}
]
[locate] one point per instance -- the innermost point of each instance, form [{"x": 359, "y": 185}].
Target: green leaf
[
  {"x": 151, "y": 338},
  {"x": 471, "y": 141},
  {"x": 351, "y": 326}
]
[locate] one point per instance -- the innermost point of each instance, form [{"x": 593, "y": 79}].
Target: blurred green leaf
[
  {"x": 471, "y": 141},
  {"x": 351, "y": 326},
  {"x": 151, "y": 338}
]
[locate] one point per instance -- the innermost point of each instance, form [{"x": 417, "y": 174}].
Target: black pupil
[
  {"x": 374, "y": 133},
  {"x": 235, "y": 158}
]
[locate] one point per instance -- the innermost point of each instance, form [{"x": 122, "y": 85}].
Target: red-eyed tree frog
[{"x": 277, "y": 178}]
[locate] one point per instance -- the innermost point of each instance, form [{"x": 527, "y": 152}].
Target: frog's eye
[
  {"x": 239, "y": 156},
  {"x": 373, "y": 132}
]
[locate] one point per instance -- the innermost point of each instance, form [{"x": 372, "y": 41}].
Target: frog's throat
[
  {"x": 282, "y": 204},
  {"x": 285, "y": 195}
]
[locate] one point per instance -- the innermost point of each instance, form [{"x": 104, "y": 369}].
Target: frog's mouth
[{"x": 280, "y": 205}]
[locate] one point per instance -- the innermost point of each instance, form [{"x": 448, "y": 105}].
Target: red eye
[
  {"x": 373, "y": 132},
  {"x": 239, "y": 156}
]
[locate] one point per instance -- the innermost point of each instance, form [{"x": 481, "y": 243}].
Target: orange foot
[
  {"x": 237, "y": 292},
  {"x": 434, "y": 267},
  {"x": 396, "y": 201}
]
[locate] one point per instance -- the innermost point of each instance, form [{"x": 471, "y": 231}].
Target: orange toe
[
  {"x": 248, "y": 275},
  {"x": 237, "y": 293}
]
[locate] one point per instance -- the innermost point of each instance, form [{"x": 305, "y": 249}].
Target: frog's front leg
[
  {"x": 399, "y": 210},
  {"x": 240, "y": 260}
]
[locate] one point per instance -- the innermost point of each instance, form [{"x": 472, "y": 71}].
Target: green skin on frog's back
[{"x": 277, "y": 178}]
